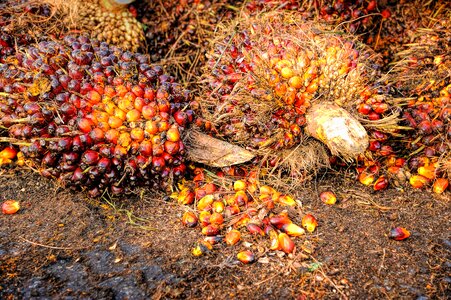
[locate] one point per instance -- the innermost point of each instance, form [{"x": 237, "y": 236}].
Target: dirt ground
[{"x": 62, "y": 245}]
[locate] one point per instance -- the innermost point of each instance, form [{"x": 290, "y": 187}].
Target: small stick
[
  {"x": 51, "y": 247},
  {"x": 14, "y": 141}
]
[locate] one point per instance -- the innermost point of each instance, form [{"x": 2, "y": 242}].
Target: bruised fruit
[
  {"x": 189, "y": 219},
  {"x": 201, "y": 248}
]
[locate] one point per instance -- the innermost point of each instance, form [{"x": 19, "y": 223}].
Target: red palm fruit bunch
[
  {"x": 242, "y": 210},
  {"x": 273, "y": 80},
  {"x": 93, "y": 115},
  {"x": 178, "y": 29},
  {"x": 422, "y": 76},
  {"x": 356, "y": 16}
]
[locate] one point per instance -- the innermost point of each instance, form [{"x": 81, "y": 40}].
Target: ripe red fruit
[
  {"x": 181, "y": 118},
  {"x": 158, "y": 163},
  {"x": 386, "y": 13},
  {"x": 399, "y": 234},
  {"x": 90, "y": 157},
  {"x": 381, "y": 183},
  {"x": 371, "y": 5},
  {"x": 171, "y": 147},
  {"x": 364, "y": 109},
  {"x": 85, "y": 125}
]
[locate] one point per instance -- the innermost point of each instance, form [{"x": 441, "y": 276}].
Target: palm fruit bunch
[
  {"x": 110, "y": 22},
  {"x": 357, "y": 16},
  {"x": 176, "y": 31},
  {"x": 422, "y": 75},
  {"x": 273, "y": 80},
  {"x": 93, "y": 115},
  {"x": 235, "y": 212}
]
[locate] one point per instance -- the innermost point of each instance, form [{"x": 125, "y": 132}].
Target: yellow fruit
[
  {"x": 285, "y": 243},
  {"x": 309, "y": 222},
  {"x": 427, "y": 171},
  {"x": 232, "y": 237},
  {"x": 418, "y": 181},
  {"x": 205, "y": 203},
  {"x": 239, "y": 185},
  {"x": 366, "y": 178},
  {"x": 328, "y": 197},
  {"x": 246, "y": 256},
  {"x": 286, "y": 200},
  {"x": 295, "y": 82},
  {"x": 218, "y": 206},
  {"x": 440, "y": 185}
]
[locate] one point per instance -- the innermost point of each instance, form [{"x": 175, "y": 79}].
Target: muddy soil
[{"x": 62, "y": 245}]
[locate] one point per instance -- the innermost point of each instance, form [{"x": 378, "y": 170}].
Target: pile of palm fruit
[
  {"x": 94, "y": 115},
  {"x": 237, "y": 213},
  {"x": 419, "y": 79}
]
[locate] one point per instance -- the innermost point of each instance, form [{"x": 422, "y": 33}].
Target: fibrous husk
[{"x": 266, "y": 71}]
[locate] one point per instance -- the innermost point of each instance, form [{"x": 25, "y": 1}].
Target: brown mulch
[{"x": 62, "y": 244}]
